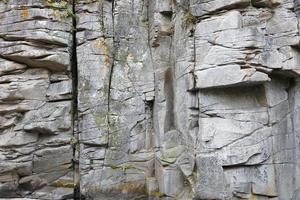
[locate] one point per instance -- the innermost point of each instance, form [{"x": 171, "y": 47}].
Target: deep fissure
[
  {"x": 74, "y": 71},
  {"x": 110, "y": 75}
]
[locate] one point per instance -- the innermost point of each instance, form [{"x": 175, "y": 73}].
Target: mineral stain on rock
[
  {"x": 25, "y": 13},
  {"x": 150, "y": 99}
]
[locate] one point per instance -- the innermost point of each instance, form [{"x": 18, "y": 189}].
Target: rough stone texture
[
  {"x": 172, "y": 99},
  {"x": 35, "y": 100}
]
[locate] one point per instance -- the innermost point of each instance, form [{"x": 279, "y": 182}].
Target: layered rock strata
[
  {"x": 35, "y": 100},
  {"x": 172, "y": 99}
]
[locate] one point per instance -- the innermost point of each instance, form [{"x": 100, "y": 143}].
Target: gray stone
[
  {"x": 49, "y": 119},
  {"x": 199, "y": 7},
  {"x": 170, "y": 181},
  {"x": 35, "y": 134},
  {"x": 60, "y": 91},
  {"x": 158, "y": 99},
  {"x": 210, "y": 181},
  {"x": 229, "y": 75}
]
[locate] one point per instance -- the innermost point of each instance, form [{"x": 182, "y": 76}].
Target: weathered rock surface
[
  {"x": 166, "y": 99},
  {"x": 35, "y": 100}
]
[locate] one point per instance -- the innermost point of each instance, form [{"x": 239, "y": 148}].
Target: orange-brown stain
[
  {"x": 101, "y": 45},
  {"x": 25, "y": 13}
]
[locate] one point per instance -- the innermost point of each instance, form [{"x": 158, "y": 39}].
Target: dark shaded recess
[
  {"x": 169, "y": 95},
  {"x": 74, "y": 70}
]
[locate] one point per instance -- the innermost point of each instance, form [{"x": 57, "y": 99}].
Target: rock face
[
  {"x": 173, "y": 99},
  {"x": 35, "y": 100}
]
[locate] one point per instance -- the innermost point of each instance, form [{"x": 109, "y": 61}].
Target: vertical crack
[
  {"x": 111, "y": 73},
  {"x": 74, "y": 71}
]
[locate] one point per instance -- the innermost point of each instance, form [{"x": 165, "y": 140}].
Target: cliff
[{"x": 166, "y": 99}]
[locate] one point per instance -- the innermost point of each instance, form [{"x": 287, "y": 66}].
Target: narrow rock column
[{"x": 115, "y": 95}]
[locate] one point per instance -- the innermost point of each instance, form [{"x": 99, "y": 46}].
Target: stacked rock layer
[{"x": 167, "y": 99}]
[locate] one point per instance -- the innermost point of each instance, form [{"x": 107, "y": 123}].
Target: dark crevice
[
  {"x": 110, "y": 76},
  {"x": 149, "y": 130},
  {"x": 74, "y": 71},
  {"x": 111, "y": 73},
  {"x": 59, "y": 100},
  {"x": 170, "y": 123}
]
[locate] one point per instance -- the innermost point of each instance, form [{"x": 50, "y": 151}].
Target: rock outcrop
[
  {"x": 35, "y": 100},
  {"x": 167, "y": 99}
]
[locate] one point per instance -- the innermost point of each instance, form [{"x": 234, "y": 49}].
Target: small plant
[
  {"x": 59, "y": 4},
  {"x": 188, "y": 19},
  {"x": 73, "y": 141},
  {"x": 69, "y": 11},
  {"x": 62, "y": 9}
]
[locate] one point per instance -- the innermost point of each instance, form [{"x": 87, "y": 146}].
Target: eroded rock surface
[
  {"x": 35, "y": 100},
  {"x": 171, "y": 99}
]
